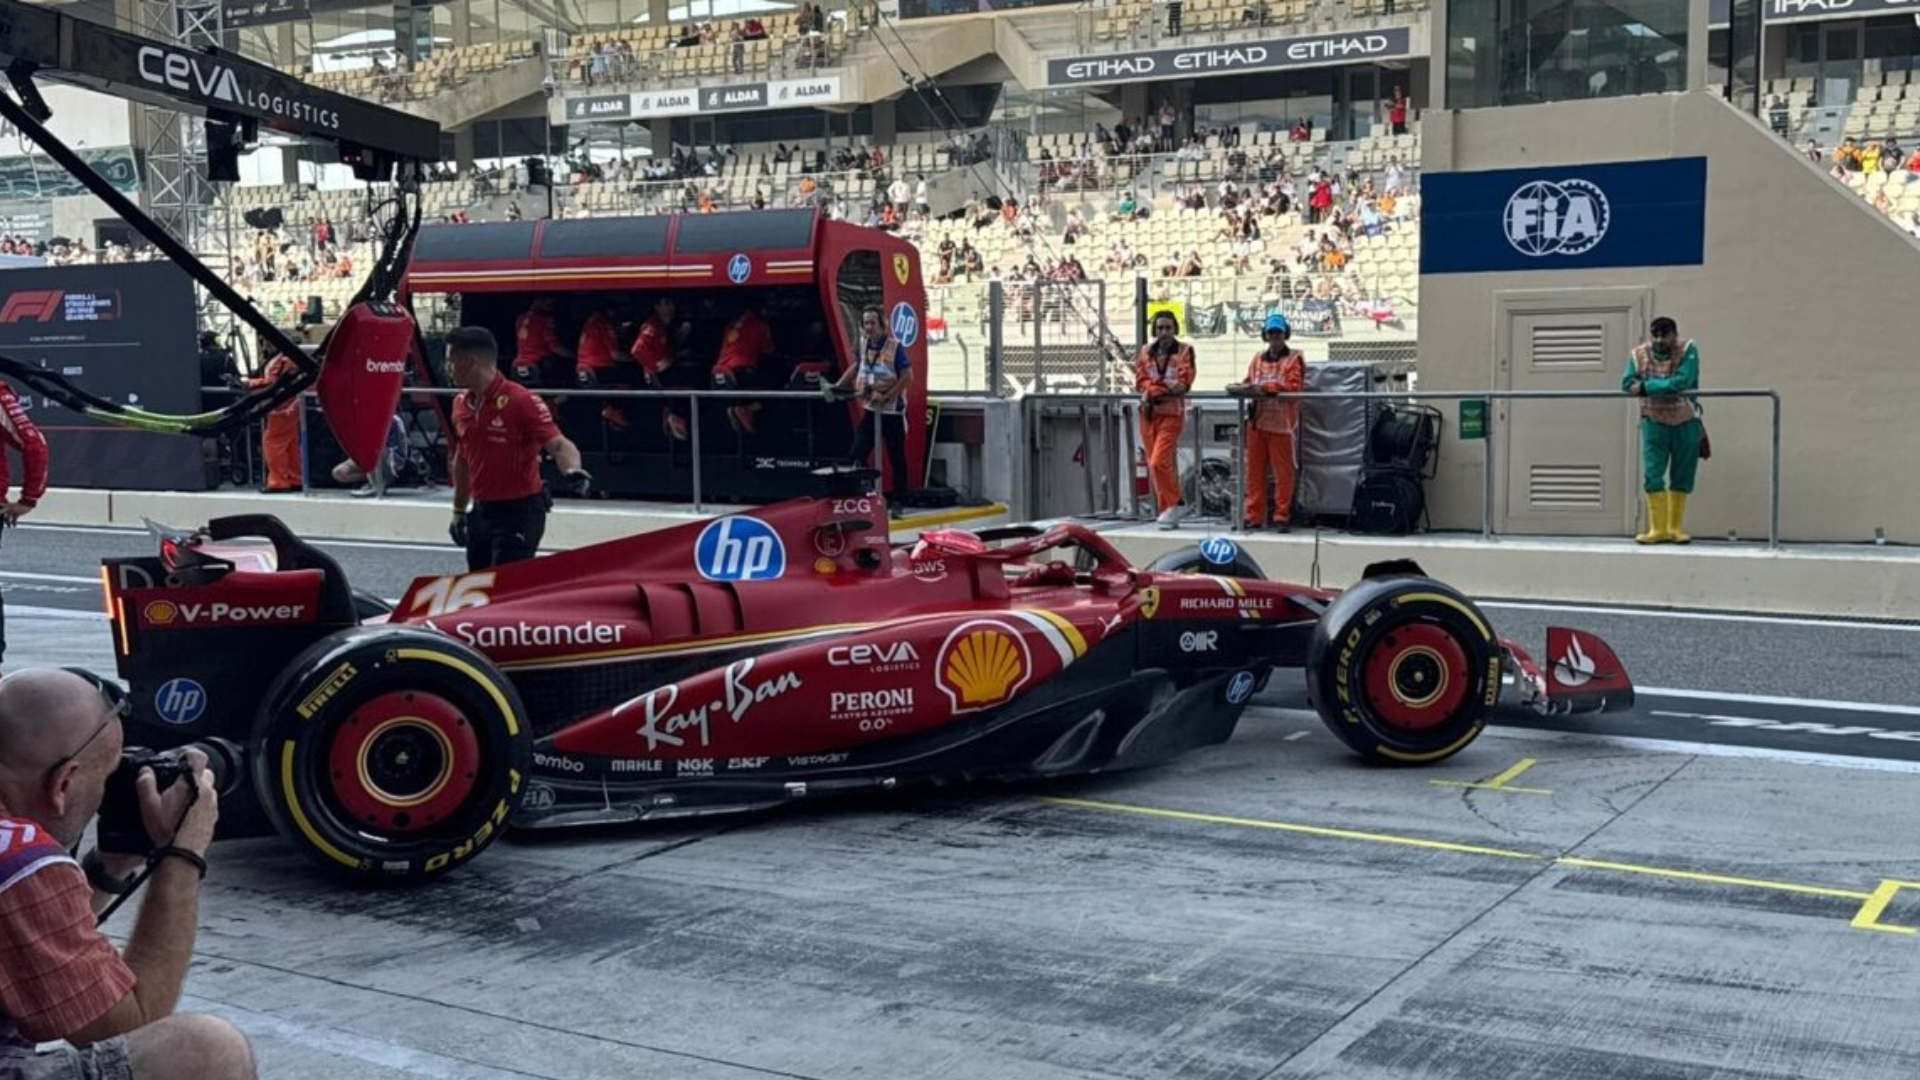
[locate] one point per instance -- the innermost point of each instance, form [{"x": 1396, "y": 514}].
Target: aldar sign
[{"x": 1317, "y": 50}]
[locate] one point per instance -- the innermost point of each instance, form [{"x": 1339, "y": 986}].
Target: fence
[
  {"x": 1114, "y": 417},
  {"x": 434, "y": 439}
]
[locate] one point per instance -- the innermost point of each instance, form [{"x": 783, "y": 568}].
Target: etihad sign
[{"x": 1230, "y": 59}]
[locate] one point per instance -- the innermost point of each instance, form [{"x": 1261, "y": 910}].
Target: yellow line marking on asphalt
[
  {"x": 1876, "y": 906},
  {"x": 1309, "y": 830},
  {"x": 1873, "y": 904},
  {"x": 1499, "y": 783}
]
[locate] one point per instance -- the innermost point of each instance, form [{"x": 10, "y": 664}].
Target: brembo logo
[
  {"x": 210, "y": 80},
  {"x": 38, "y": 305}
]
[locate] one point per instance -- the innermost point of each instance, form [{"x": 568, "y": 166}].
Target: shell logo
[
  {"x": 162, "y": 612},
  {"x": 983, "y": 663}
]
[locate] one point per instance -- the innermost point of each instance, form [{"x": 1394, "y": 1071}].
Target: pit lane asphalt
[{"x": 1632, "y": 908}]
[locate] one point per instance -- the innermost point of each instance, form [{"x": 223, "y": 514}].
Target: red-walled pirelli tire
[
  {"x": 1403, "y": 670},
  {"x": 390, "y": 753}
]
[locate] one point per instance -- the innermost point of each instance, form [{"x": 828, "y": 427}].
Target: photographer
[{"x": 60, "y": 978}]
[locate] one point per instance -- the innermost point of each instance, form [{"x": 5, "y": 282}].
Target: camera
[{"x": 121, "y": 829}]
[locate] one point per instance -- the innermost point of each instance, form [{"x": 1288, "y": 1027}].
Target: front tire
[
  {"x": 391, "y": 753},
  {"x": 1403, "y": 670}
]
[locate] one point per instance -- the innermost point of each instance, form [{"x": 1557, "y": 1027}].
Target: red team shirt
[
  {"x": 57, "y": 972},
  {"x": 747, "y": 340},
  {"x": 535, "y": 337},
  {"x": 650, "y": 348},
  {"x": 599, "y": 345},
  {"x": 17, "y": 431},
  {"x": 500, "y": 439}
]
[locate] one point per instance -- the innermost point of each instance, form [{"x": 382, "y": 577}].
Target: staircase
[{"x": 481, "y": 94}]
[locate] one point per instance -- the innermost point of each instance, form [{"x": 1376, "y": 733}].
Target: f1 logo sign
[{"x": 34, "y": 305}]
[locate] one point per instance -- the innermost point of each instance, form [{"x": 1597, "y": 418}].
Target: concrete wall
[{"x": 1805, "y": 289}]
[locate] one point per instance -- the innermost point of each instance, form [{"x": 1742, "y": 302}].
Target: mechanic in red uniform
[
  {"x": 1271, "y": 434},
  {"x": 746, "y": 344},
  {"x": 500, "y": 429},
  {"x": 539, "y": 358},
  {"x": 280, "y": 442},
  {"x": 61, "y": 981},
  {"x": 17, "y": 431},
  {"x": 653, "y": 350},
  {"x": 601, "y": 362}
]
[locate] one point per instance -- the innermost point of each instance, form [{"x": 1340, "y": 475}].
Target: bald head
[{"x": 45, "y": 714}]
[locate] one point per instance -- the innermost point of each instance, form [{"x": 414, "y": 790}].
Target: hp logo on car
[
  {"x": 906, "y": 324},
  {"x": 740, "y": 549},
  {"x": 739, "y": 269},
  {"x": 1240, "y": 687},
  {"x": 1218, "y": 550},
  {"x": 180, "y": 701}
]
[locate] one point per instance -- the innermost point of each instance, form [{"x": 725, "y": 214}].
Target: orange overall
[
  {"x": 281, "y": 443},
  {"x": 1162, "y": 417},
  {"x": 1270, "y": 436}
]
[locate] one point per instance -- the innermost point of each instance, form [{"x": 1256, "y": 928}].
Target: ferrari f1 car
[{"x": 759, "y": 658}]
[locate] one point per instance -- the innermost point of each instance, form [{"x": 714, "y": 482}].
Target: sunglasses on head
[{"x": 112, "y": 696}]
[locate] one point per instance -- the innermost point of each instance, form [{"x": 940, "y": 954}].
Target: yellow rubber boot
[
  {"x": 1656, "y": 519},
  {"x": 1676, "y": 510}
]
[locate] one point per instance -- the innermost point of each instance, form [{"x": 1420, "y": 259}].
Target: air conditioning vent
[
  {"x": 1566, "y": 487},
  {"x": 1570, "y": 348}
]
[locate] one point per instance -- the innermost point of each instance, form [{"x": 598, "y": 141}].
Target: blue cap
[{"x": 1277, "y": 321}]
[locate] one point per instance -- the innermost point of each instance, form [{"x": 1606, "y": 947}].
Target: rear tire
[
  {"x": 1403, "y": 670},
  {"x": 390, "y": 753}
]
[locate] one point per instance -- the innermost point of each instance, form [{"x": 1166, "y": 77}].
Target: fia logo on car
[
  {"x": 180, "y": 701},
  {"x": 1218, "y": 550},
  {"x": 1240, "y": 687},
  {"x": 740, "y": 549},
  {"x": 906, "y": 324},
  {"x": 739, "y": 269}
]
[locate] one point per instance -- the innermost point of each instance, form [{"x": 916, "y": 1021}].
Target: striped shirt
[{"x": 58, "y": 973}]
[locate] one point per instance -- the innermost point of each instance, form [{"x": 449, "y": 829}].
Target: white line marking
[
  {"x": 1765, "y": 699},
  {"x": 55, "y": 612},
  {"x": 1794, "y": 757},
  {"x": 340, "y": 1044},
  {"x": 1296, "y": 736},
  {"x": 1707, "y": 616},
  {"x": 27, "y": 575}
]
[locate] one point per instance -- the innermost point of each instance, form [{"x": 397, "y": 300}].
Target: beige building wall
[{"x": 1805, "y": 289}]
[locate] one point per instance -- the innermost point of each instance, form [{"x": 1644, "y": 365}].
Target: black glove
[
  {"x": 577, "y": 482},
  {"x": 458, "y": 530}
]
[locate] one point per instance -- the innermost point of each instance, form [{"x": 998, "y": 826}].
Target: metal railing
[
  {"x": 1128, "y": 406},
  {"x": 693, "y": 397},
  {"x": 677, "y": 195}
]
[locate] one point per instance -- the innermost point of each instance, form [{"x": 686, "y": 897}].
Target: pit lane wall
[{"x": 1801, "y": 287}]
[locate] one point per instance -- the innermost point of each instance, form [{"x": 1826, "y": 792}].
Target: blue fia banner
[{"x": 1567, "y": 217}]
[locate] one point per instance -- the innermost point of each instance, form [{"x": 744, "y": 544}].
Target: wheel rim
[
  {"x": 404, "y": 762},
  {"x": 1417, "y": 676}
]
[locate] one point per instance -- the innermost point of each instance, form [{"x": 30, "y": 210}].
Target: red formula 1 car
[{"x": 759, "y": 658}]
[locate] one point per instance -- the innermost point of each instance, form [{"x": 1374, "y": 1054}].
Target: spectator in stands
[
  {"x": 1870, "y": 158},
  {"x": 1662, "y": 374},
  {"x": 1302, "y": 131},
  {"x": 745, "y": 346},
  {"x": 881, "y": 376},
  {"x": 739, "y": 39},
  {"x": 1397, "y": 110},
  {"x": 1191, "y": 266},
  {"x": 539, "y": 358},
  {"x": 280, "y": 440},
  {"x": 1163, "y": 373},
  {"x": 1847, "y": 155},
  {"x": 1913, "y": 161},
  {"x": 1169, "y": 127},
  {"x": 1777, "y": 115},
  {"x": 1271, "y": 432}
]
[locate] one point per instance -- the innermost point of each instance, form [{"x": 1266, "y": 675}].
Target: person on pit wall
[
  {"x": 1273, "y": 429},
  {"x": 1163, "y": 373},
  {"x": 1662, "y": 373},
  {"x": 539, "y": 358}
]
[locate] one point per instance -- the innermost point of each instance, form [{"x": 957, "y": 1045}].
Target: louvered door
[{"x": 1561, "y": 464}]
